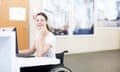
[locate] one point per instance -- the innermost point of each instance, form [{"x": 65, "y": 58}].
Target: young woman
[{"x": 44, "y": 44}]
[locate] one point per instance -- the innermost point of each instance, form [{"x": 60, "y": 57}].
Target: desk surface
[{"x": 36, "y": 61}]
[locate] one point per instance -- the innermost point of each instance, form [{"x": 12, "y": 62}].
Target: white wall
[
  {"x": 34, "y": 6},
  {"x": 103, "y": 39}
]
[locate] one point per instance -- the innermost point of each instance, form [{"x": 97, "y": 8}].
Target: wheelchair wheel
[{"x": 60, "y": 69}]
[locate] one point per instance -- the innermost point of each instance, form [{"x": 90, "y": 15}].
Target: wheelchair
[{"x": 60, "y": 67}]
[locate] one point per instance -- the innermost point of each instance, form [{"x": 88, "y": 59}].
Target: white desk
[
  {"x": 35, "y": 61},
  {"x": 8, "y": 60}
]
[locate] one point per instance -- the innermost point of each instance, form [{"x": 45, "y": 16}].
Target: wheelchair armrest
[
  {"x": 61, "y": 56},
  {"x": 66, "y": 51}
]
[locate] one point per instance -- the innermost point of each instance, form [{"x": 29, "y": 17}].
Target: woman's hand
[{"x": 43, "y": 33}]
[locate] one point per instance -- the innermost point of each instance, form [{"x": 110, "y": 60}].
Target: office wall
[
  {"x": 103, "y": 38},
  {"x": 34, "y": 6}
]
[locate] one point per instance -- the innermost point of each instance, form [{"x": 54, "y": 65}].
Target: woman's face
[{"x": 40, "y": 21}]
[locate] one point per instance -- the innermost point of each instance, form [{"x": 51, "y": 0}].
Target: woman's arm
[
  {"x": 28, "y": 51},
  {"x": 42, "y": 47}
]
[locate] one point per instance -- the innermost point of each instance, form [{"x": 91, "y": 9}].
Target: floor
[{"x": 108, "y": 61}]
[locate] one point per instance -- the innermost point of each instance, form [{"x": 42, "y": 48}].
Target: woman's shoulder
[
  {"x": 50, "y": 38},
  {"x": 51, "y": 35}
]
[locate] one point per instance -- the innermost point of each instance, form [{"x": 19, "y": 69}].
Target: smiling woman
[{"x": 44, "y": 44}]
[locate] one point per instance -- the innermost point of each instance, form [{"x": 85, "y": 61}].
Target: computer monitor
[
  {"x": 7, "y": 50},
  {"x": 17, "y": 49},
  {"x": 11, "y": 29}
]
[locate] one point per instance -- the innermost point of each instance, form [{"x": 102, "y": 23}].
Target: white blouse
[{"x": 49, "y": 39}]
